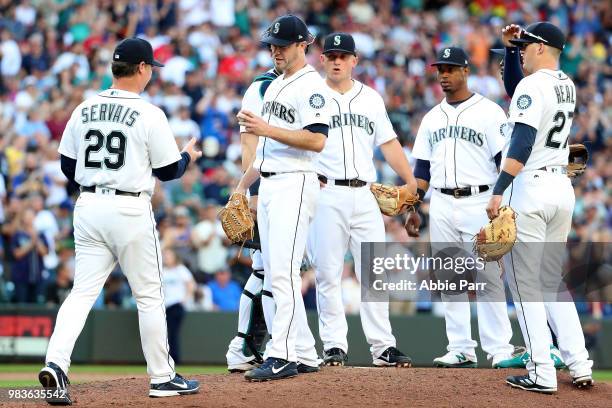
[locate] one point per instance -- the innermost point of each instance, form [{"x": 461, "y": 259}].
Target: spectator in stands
[
  {"x": 207, "y": 239},
  {"x": 52, "y": 57},
  {"x": 188, "y": 191},
  {"x": 31, "y": 179},
  {"x": 178, "y": 234},
  {"x": 179, "y": 288},
  {"x": 58, "y": 290},
  {"x": 225, "y": 291},
  {"x": 28, "y": 247}
]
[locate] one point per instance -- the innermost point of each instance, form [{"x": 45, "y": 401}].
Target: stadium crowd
[{"x": 55, "y": 53}]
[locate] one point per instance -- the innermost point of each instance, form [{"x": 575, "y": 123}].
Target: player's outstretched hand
[
  {"x": 413, "y": 223},
  {"x": 190, "y": 149},
  {"x": 252, "y": 123},
  {"x": 493, "y": 206},
  {"x": 510, "y": 32}
]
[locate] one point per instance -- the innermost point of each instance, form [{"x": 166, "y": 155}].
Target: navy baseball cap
[
  {"x": 452, "y": 56},
  {"x": 134, "y": 51},
  {"x": 541, "y": 32},
  {"x": 339, "y": 42},
  {"x": 285, "y": 30}
]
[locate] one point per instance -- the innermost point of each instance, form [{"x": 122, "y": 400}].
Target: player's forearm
[
  {"x": 512, "y": 166},
  {"x": 247, "y": 179},
  {"x": 395, "y": 156},
  {"x": 300, "y": 139},
  {"x": 512, "y": 70},
  {"x": 248, "y": 142}
]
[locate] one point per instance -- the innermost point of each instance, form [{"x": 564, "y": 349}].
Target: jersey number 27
[
  {"x": 559, "y": 121},
  {"x": 114, "y": 144}
]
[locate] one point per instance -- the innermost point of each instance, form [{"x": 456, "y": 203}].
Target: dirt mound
[{"x": 349, "y": 387}]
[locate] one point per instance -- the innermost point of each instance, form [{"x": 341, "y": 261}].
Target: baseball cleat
[
  {"x": 272, "y": 369},
  {"x": 51, "y": 377},
  {"x": 242, "y": 367},
  {"x": 519, "y": 359},
  {"x": 454, "y": 359},
  {"x": 525, "y": 383},
  {"x": 178, "y": 386},
  {"x": 334, "y": 357},
  {"x": 392, "y": 357},
  {"x": 555, "y": 354},
  {"x": 500, "y": 358},
  {"x": 584, "y": 381},
  {"x": 306, "y": 369}
]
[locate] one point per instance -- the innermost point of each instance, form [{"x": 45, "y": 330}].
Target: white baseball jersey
[
  {"x": 358, "y": 124},
  {"x": 470, "y": 134},
  {"x": 546, "y": 101},
  {"x": 116, "y": 138},
  {"x": 292, "y": 103}
]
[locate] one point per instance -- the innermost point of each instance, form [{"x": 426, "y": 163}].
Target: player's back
[
  {"x": 546, "y": 100},
  {"x": 117, "y": 138}
]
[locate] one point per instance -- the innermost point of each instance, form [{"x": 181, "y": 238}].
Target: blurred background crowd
[{"x": 55, "y": 53}]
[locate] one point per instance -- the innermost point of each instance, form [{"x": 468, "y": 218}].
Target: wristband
[
  {"x": 503, "y": 181},
  {"x": 254, "y": 189}
]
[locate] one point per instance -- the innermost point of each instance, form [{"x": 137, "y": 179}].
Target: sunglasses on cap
[{"x": 531, "y": 38}]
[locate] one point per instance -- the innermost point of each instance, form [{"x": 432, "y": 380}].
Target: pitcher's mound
[{"x": 351, "y": 387}]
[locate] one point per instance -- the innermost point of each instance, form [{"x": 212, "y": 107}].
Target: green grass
[
  {"x": 125, "y": 370},
  {"x": 602, "y": 375}
]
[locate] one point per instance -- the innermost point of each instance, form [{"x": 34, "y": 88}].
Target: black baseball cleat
[
  {"x": 585, "y": 381},
  {"x": 178, "y": 386},
  {"x": 334, "y": 357},
  {"x": 392, "y": 357},
  {"x": 272, "y": 369},
  {"x": 53, "y": 379},
  {"x": 306, "y": 369},
  {"x": 525, "y": 383}
]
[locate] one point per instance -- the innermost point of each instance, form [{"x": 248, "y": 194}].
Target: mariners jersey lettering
[
  {"x": 358, "y": 124},
  {"x": 292, "y": 103},
  {"x": 470, "y": 134},
  {"x": 546, "y": 101},
  {"x": 117, "y": 138},
  {"x": 253, "y": 97}
]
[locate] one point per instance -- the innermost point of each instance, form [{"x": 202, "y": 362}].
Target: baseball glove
[
  {"x": 394, "y": 200},
  {"x": 496, "y": 239},
  {"x": 236, "y": 219},
  {"x": 577, "y": 160}
]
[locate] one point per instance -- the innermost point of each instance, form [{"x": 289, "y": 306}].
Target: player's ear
[{"x": 322, "y": 58}]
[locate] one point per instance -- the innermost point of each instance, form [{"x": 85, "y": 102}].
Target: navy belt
[
  {"x": 267, "y": 174},
  {"x": 92, "y": 189},
  {"x": 348, "y": 183},
  {"x": 462, "y": 192}
]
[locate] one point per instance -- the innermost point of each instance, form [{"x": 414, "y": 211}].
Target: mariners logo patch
[
  {"x": 523, "y": 101},
  {"x": 317, "y": 101}
]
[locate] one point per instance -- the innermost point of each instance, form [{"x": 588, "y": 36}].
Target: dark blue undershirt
[
  {"x": 170, "y": 172},
  {"x": 513, "y": 74}
]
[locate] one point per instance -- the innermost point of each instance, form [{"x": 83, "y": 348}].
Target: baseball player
[
  {"x": 458, "y": 148},
  {"x": 533, "y": 182},
  {"x": 242, "y": 353},
  {"x": 347, "y": 213},
  {"x": 511, "y": 77},
  {"x": 293, "y": 126},
  {"x": 112, "y": 146}
]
